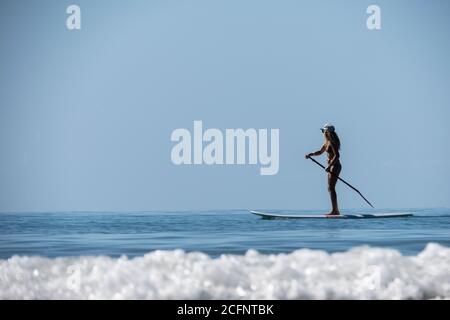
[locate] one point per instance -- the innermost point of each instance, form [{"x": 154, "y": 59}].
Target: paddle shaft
[{"x": 348, "y": 184}]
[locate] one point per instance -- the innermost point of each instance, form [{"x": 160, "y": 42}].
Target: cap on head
[{"x": 327, "y": 127}]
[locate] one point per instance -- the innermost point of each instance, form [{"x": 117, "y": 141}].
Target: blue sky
[{"x": 86, "y": 116}]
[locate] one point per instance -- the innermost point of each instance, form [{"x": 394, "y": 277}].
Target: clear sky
[{"x": 86, "y": 116}]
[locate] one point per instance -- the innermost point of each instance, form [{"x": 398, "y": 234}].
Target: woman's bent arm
[{"x": 335, "y": 158}]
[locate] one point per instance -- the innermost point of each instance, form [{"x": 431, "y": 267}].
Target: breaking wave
[{"x": 360, "y": 273}]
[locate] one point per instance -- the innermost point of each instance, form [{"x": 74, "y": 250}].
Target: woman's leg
[{"x": 332, "y": 180}]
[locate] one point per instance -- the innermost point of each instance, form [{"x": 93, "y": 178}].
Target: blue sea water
[{"x": 59, "y": 234}]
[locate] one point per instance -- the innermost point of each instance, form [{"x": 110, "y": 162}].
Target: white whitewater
[{"x": 361, "y": 273}]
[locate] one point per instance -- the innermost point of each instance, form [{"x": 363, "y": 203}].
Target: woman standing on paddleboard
[{"x": 331, "y": 146}]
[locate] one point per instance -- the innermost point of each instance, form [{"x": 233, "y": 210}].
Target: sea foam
[{"x": 360, "y": 273}]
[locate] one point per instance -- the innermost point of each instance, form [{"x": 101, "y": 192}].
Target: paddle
[{"x": 348, "y": 184}]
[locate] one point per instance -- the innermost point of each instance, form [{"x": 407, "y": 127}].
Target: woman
[{"x": 331, "y": 146}]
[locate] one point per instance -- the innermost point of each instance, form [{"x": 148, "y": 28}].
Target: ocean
[{"x": 224, "y": 254}]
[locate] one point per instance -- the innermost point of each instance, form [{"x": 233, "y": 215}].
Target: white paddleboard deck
[{"x": 265, "y": 215}]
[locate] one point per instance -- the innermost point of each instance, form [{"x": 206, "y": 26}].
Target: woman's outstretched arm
[{"x": 317, "y": 153}]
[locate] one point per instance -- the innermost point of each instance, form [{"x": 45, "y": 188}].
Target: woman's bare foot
[{"x": 333, "y": 213}]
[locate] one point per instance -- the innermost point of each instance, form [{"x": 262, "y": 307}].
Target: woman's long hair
[{"x": 333, "y": 138}]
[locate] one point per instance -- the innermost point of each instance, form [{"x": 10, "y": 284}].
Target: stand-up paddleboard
[{"x": 265, "y": 215}]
